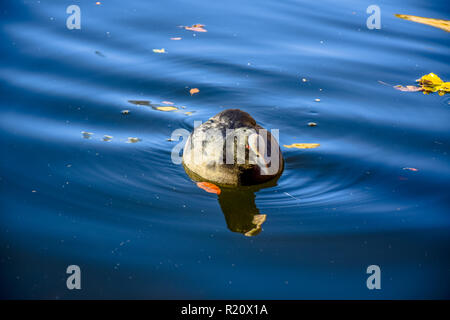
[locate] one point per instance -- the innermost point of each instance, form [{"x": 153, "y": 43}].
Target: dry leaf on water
[
  {"x": 140, "y": 102},
  {"x": 209, "y": 187},
  {"x": 428, "y": 83},
  {"x": 86, "y": 135},
  {"x": 133, "y": 140},
  {"x": 168, "y": 108},
  {"x": 159, "y": 50},
  {"x": 437, "y": 23},
  {"x": 194, "y": 91},
  {"x": 408, "y": 88},
  {"x": 303, "y": 145},
  {"x": 196, "y": 27}
]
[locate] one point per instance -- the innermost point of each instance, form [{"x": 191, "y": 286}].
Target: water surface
[{"x": 139, "y": 227}]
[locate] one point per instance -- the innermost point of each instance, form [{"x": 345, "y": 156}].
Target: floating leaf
[
  {"x": 430, "y": 79},
  {"x": 317, "y": 100},
  {"x": 86, "y": 135},
  {"x": 196, "y": 27},
  {"x": 444, "y": 88},
  {"x": 165, "y": 108},
  {"x": 312, "y": 124},
  {"x": 411, "y": 169},
  {"x": 133, "y": 140},
  {"x": 428, "y": 83},
  {"x": 107, "y": 138},
  {"x": 303, "y": 145},
  {"x": 176, "y": 38},
  {"x": 194, "y": 91},
  {"x": 140, "y": 102},
  {"x": 125, "y": 111},
  {"x": 408, "y": 88},
  {"x": 437, "y": 23},
  {"x": 167, "y": 102},
  {"x": 159, "y": 50},
  {"x": 209, "y": 187},
  {"x": 189, "y": 113}
]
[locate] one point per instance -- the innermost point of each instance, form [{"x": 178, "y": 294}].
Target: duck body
[{"x": 231, "y": 149}]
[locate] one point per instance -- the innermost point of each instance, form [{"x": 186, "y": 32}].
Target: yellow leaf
[
  {"x": 430, "y": 79},
  {"x": 194, "y": 91},
  {"x": 437, "y": 23},
  {"x": 303, "y": 145},
  {"x": 159, "y": 50},
  {"x": 428, "y": 83},
  {"x": 166, "y": 108}
]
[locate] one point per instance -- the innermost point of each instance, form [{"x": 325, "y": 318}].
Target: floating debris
[
  {"x": 125, "y": 112},
  {"x": 302, "y": 145},
  {"x": 411, "y": 169},
  {"x": 196, "y": 27},
  {"x": 437, "y": 23},
  {"x": 140, "y": 102},
  {"x": 107, "y": 138},
  {"x": 189, "y": 113},
  {"x": 176, "y": 38},
  {"x": 408, "y": 88},
  {"x": 166, "y": 109},
  {"x": 194, "y": 91},
  {"x": 86, "y": 135},
  {"x": 428, "y": 83},
  {"x": 159, "y": 50},
  {"x": 99, "y": 54},
  {"x": 317, "y": 100},
  {"x": 167, "y": 102},
  {"x": 209, "y": 187},
  {"x": 304, "y": 80},
  {"x": 312, "y": 124},
  {"x": 133, "y": 140}
]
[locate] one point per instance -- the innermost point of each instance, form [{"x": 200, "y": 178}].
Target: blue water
[{"x": 137, "y": 225}]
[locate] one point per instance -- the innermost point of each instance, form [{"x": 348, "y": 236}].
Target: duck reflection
[{"x": 237, "y": 204}]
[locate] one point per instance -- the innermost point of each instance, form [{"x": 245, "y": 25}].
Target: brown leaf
[
  {"x": 196, "y": 27},
  {"x": 408, "y": 88},
  {"x": 194, "y": 91}
]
